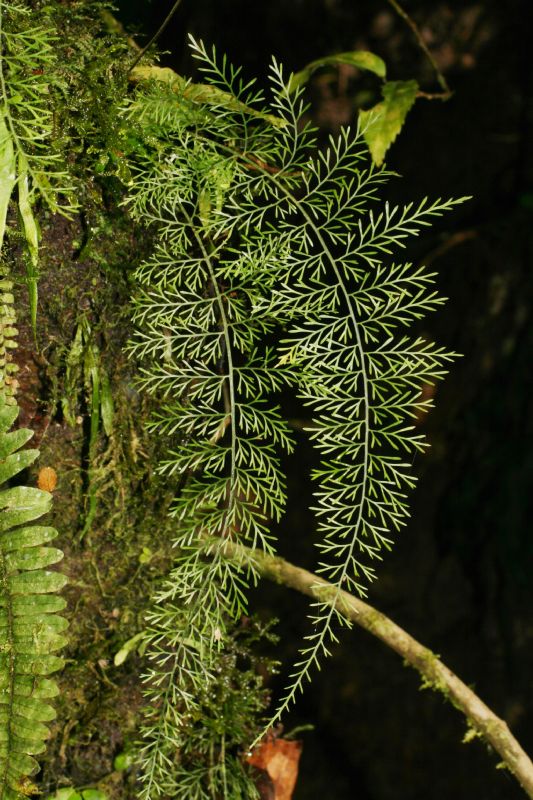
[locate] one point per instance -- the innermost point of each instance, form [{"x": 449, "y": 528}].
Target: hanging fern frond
[
  {"x": 27, "y": 159},
  {"x": 343, "y": 303},
  {"x": 260, "y": 231},
  {"x": 198, "y": 340},
  {"x": 30, "y": 629}
]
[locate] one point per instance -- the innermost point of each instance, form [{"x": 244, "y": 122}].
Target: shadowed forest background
[{"x": 459, "y": 578}]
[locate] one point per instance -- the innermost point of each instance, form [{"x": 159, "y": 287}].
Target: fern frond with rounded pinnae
[{"x": 31, "y": 631}]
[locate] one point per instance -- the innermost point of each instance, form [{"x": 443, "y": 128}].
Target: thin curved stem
[
  {"x": 441, "y": 80},
  {"x": 481, "y": 719},
  {"x": 157, "y": 34},
  {"x": 229, "y": 358}
]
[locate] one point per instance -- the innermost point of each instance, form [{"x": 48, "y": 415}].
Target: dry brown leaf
[
  {"x": 47, "y": 479},
  {"x": 279, "y": 759}
]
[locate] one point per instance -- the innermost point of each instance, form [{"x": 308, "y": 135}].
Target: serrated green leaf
[
  {"x": 382, "y": 123},
  {"x": 362, "y": 59},
  {"x": 27, "y": 686},
  {"x": 17, "y": 744},
  {"x": 22, "y": 504},
  {"x": 8, "y": 415},
  {"x": 32, "y": 731},
  {"x": 28, "y": 746},
  {"x": 38, "y": 582},
  {"x": 38, "y": 665},
  {"x": 42, "y": 644},
  {"x": 36, "y": 625},
  {"x": 25, "y": 605},
  {"x": 45, "y": 688},
  {"x": 33, "y": 709},
  {"x": 18, "y": 764}
]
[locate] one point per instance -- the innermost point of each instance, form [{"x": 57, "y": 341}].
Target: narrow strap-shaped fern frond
[{"x": 30, "y": 629}]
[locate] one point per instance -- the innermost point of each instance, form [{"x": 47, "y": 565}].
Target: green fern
[
  {"x": 259, "y": 231},
  {"x": 199, "y": 344},
  {"x": 30, "y": 630},
  {"x": 27, "y": 161}
]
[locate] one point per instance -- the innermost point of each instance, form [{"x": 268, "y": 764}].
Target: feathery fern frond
[
  {"x": 332, "y": 283},
  {"x": 27, "y": 57},
  {"x": 198, "y": 339},
  {"x": 261, "y": 230},
  {"x": 30, "y": 630}
]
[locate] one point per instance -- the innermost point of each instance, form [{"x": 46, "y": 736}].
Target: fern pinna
[
  {"x": 30, "y": 629},
  {"x": 260, "y": 231}
]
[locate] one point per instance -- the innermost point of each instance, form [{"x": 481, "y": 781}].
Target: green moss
[{"x": 84, "y": 273}]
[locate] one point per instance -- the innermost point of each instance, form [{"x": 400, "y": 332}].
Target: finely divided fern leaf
[
  {"x": 343, "y": 302},
  {"x": 199, "y": 342},
  {"x": 259, "y": 230}
]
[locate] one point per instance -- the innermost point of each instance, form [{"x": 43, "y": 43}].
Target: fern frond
[
  {"x": 344, "y": 303},
  {"x": 30, "y": 629},
  {"x": 26, "y": 62},
  {"x": 202, "y": 347},
  {"x": 261, "y": 231}
]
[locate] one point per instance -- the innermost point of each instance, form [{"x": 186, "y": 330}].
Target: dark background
[{"x": 459, "y": 578}]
